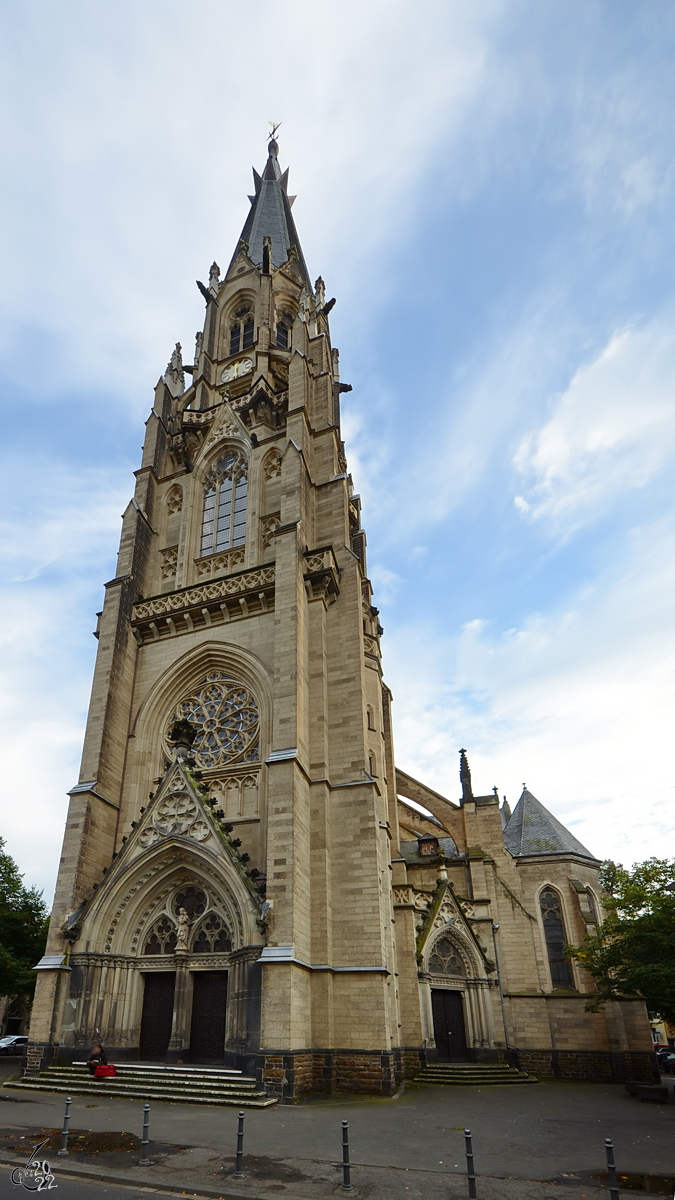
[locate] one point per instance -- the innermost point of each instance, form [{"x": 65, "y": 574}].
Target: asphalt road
[{"x": 529, "y": 1131}]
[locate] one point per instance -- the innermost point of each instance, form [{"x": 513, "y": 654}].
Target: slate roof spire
[
  {"x": 270, "y": 217},
  {"x": 532, "y": 830}
]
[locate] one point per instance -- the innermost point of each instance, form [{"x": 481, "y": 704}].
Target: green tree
[
  {"x": 23, "y": 930},
  {"x": 633, "y": 952}
]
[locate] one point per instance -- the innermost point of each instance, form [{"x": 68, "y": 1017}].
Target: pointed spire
[
  {"x": 269, "y": 224},
  {"x": 465, "y": 777}
]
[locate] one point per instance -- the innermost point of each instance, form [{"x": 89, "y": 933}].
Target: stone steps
[
  {"x": 186, "y": 1085},
  {"x": 473, "y": 1073},
  {"x": 139, "y": 1073}
]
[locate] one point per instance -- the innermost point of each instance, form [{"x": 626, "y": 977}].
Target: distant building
[{"x": 239, "y": 881}]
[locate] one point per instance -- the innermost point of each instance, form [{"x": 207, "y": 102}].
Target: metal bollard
[
  {"x": 64, "y": 1133},
  {"x": 469, "y": 1164},
  {"x": 346, "y": 1166},
  {"x": 611, "y": 1169},
  {"x": 238, "y": 1173},
  {"x": 144, "y": 1161}
]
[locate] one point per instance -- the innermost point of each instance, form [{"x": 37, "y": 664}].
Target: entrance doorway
[
  {"x": 157, "y": 1014},
  {"x": 449, "y": 1032},
  {"x": 209, "y": 1004}
]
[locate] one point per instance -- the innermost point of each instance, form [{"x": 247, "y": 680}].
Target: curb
[{"x": 78, "y": 1171}]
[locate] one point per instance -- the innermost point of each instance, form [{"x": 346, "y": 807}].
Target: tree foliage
[
  {"x": 633, "y": 952},
  {"x": 23, "y": 930}
]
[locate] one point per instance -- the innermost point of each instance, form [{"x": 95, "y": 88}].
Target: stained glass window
[
  {"x": 226, "y": 717},
  {"x": 224, "y": 514},
  {"x": 554, "y": 933}
]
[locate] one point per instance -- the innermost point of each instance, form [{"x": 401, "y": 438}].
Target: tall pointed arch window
[
  {"x": 554, "y": 934},
  {"x": 284, "y": 325},
  {"x": 224, "y": 513},
  {"x": 242, "y": 330}
]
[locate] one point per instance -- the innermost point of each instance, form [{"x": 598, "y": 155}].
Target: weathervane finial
[{"x": 273, "y": 134}]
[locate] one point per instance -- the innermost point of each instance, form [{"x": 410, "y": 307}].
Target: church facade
[{"x": 246, "y": 878}]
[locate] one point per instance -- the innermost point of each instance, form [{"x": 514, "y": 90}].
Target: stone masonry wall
[{"x": 594, "y": 1065}]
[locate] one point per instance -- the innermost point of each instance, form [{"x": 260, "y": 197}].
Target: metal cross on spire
[{"x": 271, "y": 137}]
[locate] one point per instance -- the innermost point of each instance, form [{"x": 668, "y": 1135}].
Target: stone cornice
[{"x": 204, "y": 603}]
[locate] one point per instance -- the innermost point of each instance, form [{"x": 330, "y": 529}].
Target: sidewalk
[{"x": 545, "y": 1139}]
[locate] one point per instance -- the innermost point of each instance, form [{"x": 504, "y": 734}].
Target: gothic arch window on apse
[
  {"x": 554, "y": 934},
  {"x": 242, "y": 330},
  {"x": 444, "y": 959},
  {"x": 227, "y": 719},
  {"x": 224, "y": 514}
]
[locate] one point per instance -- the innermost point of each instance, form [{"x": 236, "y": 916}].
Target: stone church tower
[
  {"x": 241, "y": 604},
  {"x": 239, "y": 881}
]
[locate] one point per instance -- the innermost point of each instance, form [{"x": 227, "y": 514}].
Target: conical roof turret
[
  {"x": 532, "y": 830},
  {"x": 270, "y": 223}
]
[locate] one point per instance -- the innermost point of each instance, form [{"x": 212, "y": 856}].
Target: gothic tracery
[
  {"x": 227, "y": 719},
  {"x": 444, "y": 959}
]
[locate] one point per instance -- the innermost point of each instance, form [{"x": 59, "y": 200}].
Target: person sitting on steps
[{"x": 97, "y": 1056}]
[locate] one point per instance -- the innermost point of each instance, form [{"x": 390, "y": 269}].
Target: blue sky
[{"x": 488, "y": 190}]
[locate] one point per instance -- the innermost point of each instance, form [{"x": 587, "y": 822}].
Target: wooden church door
[
  {"x": 449, "y": 1033},
  {"x": 209, "y": 1004},
  {"x": 157, "y": 1015}
]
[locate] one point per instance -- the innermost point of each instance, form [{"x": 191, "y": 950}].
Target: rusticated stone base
[
  {"x": 409, "y": 1061},
  {"x": 290, "y": 1076},
  {"x": 603, "y": 1066}
]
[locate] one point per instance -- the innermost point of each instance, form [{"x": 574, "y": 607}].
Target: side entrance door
[
  {"x": 448, "y": 1013},
  {"x": 209, "y": 1005},
  {"x": 157, "y": 1014}
]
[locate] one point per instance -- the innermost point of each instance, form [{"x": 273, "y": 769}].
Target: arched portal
[
  {"x": 177, "y": 932},
  {"x": 455, "y": 1002}
]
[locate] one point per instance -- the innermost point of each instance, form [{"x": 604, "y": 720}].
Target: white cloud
[
  {"x": 618, "y": 148},
  {"x": 57, "y": 545},
  {"x": 49, "y": 516},
  {"x": 141, "y": 147},
  {"x": 577, "y": 703},
  {"x": 128, "y": 133},
  {"x": 611, "y": 431}
]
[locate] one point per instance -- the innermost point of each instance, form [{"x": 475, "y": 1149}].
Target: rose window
[
  {"x": 226, "y": 717},
  {"x": 193, "y": 900},
  {"x": 445, "y": 960}
]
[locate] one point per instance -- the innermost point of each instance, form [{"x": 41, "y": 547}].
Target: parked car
[
  {"x": 13, "y": 1044},
  {"x": 666, "y": 1060}
]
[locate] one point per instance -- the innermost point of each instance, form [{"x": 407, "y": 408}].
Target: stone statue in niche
[{"x": 183, "y": 923}]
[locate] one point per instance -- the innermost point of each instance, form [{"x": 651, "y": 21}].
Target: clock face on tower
[{"x": 235, "y": 369}]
